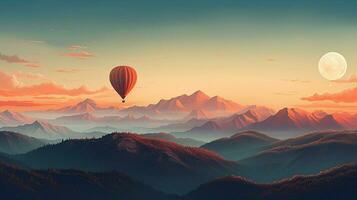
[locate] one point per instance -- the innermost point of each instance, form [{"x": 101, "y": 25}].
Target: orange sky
[{"x": 240, "y": 52}]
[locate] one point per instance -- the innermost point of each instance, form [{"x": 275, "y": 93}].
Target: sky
[{"x": 55, "y": 53}]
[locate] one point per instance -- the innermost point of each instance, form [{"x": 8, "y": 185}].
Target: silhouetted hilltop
[
  {"x": 240, "y": 145},
  {"x": 335, "y": 184},
  {"x": 20, "y": 184}
]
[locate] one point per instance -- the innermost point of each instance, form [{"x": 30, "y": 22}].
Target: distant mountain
[
  {"x": 335, "y": 184},
  {"x": 182, "y": 141},
  {"x": 85, "y": 106},
  {"x": 181, "y": 106},
  {"x": 181, "y": 126},
  {"x": 170, "y": 165},
  {"x": 226, "y": 126},
  {"x": 87, "y": 121},
  {"x": 10, "y": 118},
  {"x": 240, "y": 145},
  {"x": 290, "y": 122},
  {"x": 263, "y": 111},
  {"x": 307, "y": 154},
  {"x": 43, "y": 130},
  {"x": 104, "y": 129},
  {"x": 346, "y": 120},
  {"x": 15, "y": 143},
  {"x": 197, "y": 114},
  {"x": 78, "y": 118},
  {"x": 18, "y": 183}
]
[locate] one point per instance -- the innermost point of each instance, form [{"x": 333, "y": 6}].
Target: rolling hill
[
  {"x": 15, "y": 143},
  {"x": 168, "y": 137},
  {"x": 334, "y": 184},
  {"x": 307, "y": 154},
  {"x": 18, "y": 183},
  {"x": 240, "y": 145},
  {"x": 170, "y": 165}
]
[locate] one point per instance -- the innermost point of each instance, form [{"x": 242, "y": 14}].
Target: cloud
[
  {"x": 270, "y": 59},
  {"x": 32, "y": 65},
  {"x": 351, "y": 79},
  {"x": 49, "y": 97},
  {"x": 38, "y": 41},
  {"x": 288, "y": 93},
  {"x": 76, "y": 47},
  {"x": 14, "y": 59},
  {"x": 79, "y": 55},
  {"x": 31, "y": 76},
  {"x": 12, "y": 87},
  {"x": 63, "y": 70},
  {"x": 21, "y": 104},
  {"x": 346, "y": 96},
  {"x": 296, "y": 80},
  {"x": 48, "y": 89},
  {"x": 327, "y": 106}
]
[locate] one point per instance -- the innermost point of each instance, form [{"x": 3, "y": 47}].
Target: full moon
[{"x": 332, "y": 66}]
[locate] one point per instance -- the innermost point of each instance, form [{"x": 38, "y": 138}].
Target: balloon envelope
[{"x": 123, "y": 79}]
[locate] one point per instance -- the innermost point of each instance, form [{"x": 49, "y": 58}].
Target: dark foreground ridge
[
  {"x": 16, "y": 183},
  {"x": 334, "y": 184}
]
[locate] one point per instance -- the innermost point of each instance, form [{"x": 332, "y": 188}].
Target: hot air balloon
[{"x": 123, "y": 79}]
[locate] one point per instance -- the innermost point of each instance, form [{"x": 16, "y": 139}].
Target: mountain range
[
  {"x": 196, "y": 104},
  {"x": 220, "y": 127},
  {"x": 86, "y": 121},
  {"x": 286, "y": 123},
  {"x": 85, "y": 106},
  {"x": 43, "y": 130},
  {"x": 289, "y": 122}
]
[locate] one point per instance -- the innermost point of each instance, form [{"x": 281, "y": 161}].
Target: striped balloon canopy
[{"x": 123, "y": 79}]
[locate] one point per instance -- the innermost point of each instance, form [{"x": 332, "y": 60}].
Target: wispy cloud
[
  {"x": 288, "y": 93},
  {"x": 346, "y": 96},
  {"x": 15, "y": 59},
  {"x": 22, "y": 104},
  {"x": 30, "y": 76},
  {"x": 270, "y": 59},
  {"x": 351, "y": 79},
  {"x": 37, "y": 41},
  {"x": 79, "y": 55},
  {"x": 67, "y": 70},
  {"x": 296, "y": 81},
  {"x": 11, "y": 87},
  {"x": 32, "y": 65},
  {"x": 327, "y": 105},
  {"x": 76, "y": 47}
]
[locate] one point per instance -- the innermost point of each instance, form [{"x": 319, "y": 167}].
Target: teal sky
[{"x": 229, "y": 47}]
